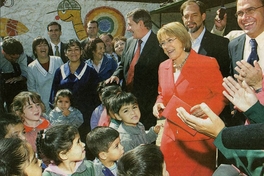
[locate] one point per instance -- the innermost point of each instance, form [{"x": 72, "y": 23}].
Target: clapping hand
[{"x": 240, "y": 95}]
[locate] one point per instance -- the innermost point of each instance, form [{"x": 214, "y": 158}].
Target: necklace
[{"x": 181, "y": 65}]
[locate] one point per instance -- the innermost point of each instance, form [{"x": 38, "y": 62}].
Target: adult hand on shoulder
[
  {"x": 112, "y": 79},
  {"x": 242, "y": 96},
  {"x": 210, "y": 126},
  {"x": 252, "y": 75},
  {"x": 157, "y": 109}
]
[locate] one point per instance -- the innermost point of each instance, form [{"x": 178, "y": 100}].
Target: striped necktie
[
  {"x": 57, "y": 53},
  {"x": 254, "y": 54}
]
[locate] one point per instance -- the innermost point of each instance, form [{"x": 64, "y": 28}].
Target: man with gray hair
[{"x": 139, "y": 64}]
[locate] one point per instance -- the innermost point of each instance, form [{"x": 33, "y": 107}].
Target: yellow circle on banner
[{"x": 109, "y": 19}]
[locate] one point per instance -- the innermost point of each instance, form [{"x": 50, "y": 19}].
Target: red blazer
[{"x": 200, "y": 81}]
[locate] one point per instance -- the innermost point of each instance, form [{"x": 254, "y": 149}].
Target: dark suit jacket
[
  {"x": 145, "y": 86},
  {"x": 215, "y": 46},
  {"x": 236, "y": 51},
  {"x": 62, "y": 53}
]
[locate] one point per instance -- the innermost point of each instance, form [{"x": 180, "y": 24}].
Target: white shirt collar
[
  {"x": 144, "y": 40},
  {"x": 247, "y": 48},
  {"x": 53, "y": 46},
  {"x": 196, "y": 43}
]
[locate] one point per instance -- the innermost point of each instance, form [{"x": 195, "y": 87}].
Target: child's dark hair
[
  {"x": 121, "y": 99},
  {"x": 14, "y": 154},
  {"x": 108, "y": 87},
  {"x": 54, "y": 140},
  {"x": 22, "y": 99},
  {"x": 64, "y": 93},
  {"x": 142, "y": 160},
  {"x": 100, "y": 139},
  {"x": 106, "y": 91},
  {"x": 7, "y": 119}
]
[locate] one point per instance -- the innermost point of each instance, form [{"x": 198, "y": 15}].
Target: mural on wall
[
  {"x": 6, "y": 3},
  {"x": 110, "y": 20},
  {"x": 70, "y": 11},
  {"x": 11, "y": 27}
]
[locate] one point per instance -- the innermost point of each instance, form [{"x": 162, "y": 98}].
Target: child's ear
[
  {"x": 103, "y": 155},
  {"x": 117, "y": 116},
  {"x": 63, "y": 155}
]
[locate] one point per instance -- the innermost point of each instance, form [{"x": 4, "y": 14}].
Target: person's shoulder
[
  {"x": 165, "y": 62},
  {"x": 237, "y": 39},
  {"x": 44, "y": 124},
  {"x": 89, "y": 62},
  {"x": 107, "y": 59},
  {"x": 56, "y": 58},
  {"x": 130, "y": 39},
  {"x": 215, "y": 37},
  {"x": 22, "y": 58},
  {"x": 140, "y": 125},
  {"x": 33, "y": 63},
  {"x": 201, "y": 59},
  {"x": 88, "y": 163},
  {"x": 122, "y": 128},
  {"x": 153, "y": 37},
  {"x": 47, "y": 173},
  {"x": 63, "y": 44}
]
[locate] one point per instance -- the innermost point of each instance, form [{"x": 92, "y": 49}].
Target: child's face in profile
[
  {"x": 77, "y": 151},
  {"x": 32, "y": 168},
  {"x": 16, "y": 131},
  {"x": 32, "y": 111},
  {"x": 63, "y": 103},
  {"x": 130, "y": 114},
  {"x": 115, "y": 151}
]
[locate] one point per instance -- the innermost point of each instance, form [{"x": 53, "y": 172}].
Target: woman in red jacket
[{"x": 186, "y": 80}]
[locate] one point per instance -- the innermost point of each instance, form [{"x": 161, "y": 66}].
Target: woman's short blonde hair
[{"x": 176, "y": 29}]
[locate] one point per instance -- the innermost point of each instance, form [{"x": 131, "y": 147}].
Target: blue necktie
[{"x": 253, "y": 55}]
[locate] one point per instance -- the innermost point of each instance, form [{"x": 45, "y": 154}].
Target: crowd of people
[{"x": 91, "y": 107}]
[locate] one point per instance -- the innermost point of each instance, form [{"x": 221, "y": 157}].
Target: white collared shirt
[
  {"x": 97, "y": 67},
  {"x": 196, "y": 43},
  {"x": 144, "y": 40},
  {"x": 260, "y": 48},
  {"x": 53, "y": 47}
]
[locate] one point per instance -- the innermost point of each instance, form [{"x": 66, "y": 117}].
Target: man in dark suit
[
  {"x": 145, "y": 79},
  {"x": 204, "y": 42},
  {"x": 56, "y": 46},
  {"x": 252, "y": 23},
  {"x": 92, "y": 32}
]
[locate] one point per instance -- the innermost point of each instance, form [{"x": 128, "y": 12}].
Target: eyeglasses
[
  {"x": 248, "y": 11},
  {"x": 170, "y": 40}
]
